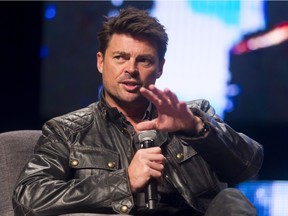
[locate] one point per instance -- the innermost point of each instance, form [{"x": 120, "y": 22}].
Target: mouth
[{"x": 131, "y": 86}]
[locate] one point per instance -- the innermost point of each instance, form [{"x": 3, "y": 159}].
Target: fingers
[
  {"x": 173, "y": 115},
  {"x": 155, "y": 170},
  {"x": 150, "y": 95},
  {"x": 152, "y": 154},
  {"x": 146, "y": 125},
  {"x": 171, "y": 96},
  {"x": 146, "y": 164},
  {"x": 159, "y": 97},
  {"x": 156, "y": 165}
]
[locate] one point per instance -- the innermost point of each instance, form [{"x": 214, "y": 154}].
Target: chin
[{"x": 135, "y": 99}]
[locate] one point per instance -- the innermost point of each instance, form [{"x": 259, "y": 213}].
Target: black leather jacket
[{"x": 81, "y": 160}]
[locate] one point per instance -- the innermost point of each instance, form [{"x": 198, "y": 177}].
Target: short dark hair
[{"x": 134, "y": 22}]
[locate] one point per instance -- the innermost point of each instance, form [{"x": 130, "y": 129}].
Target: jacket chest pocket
[
  {"x": 194, "y": 169},
  {"x": 86, "y": 161}
]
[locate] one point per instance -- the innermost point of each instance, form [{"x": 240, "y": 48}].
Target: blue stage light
[
  {"x": 117, "y": 3},
  {"x": 44, "y": 51},
  {"x": 50, "y": 12}
]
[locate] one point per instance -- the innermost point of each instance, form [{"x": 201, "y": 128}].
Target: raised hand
[{"x": 173, "y": 115}]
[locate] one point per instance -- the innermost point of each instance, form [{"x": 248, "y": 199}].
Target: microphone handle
[
  {"x": 151, "y": 197},
  {"x": 151, "y": 194}
]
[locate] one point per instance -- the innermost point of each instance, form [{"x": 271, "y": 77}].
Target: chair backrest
[{"x": 15, "y": 149}]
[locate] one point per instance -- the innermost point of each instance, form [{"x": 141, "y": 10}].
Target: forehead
[{"x": 131, "y": 44}]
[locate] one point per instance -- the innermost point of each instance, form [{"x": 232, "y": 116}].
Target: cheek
[
  {"x": 149, "y": 77},
  {"x": 151, "y": 74},
  {"x": 111, "y": 73}
]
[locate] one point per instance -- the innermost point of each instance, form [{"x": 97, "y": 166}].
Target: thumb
[{"x": 146, "y": 125}]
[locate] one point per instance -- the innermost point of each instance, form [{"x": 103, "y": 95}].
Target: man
[{"x": 90, "y": 160}]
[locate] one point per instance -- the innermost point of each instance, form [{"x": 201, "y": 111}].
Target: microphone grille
[{"x": 147, "y": 135}]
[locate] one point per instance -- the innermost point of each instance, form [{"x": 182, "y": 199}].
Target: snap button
[
  {"x": 111, "y": 164},
  {"x": 74, "y": 162},
  {"x": 124, "y": 209},
  {"x": 180, "y": 156}
]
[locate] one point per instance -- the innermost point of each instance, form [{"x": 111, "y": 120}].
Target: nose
[{"x": 131, "y": 67}]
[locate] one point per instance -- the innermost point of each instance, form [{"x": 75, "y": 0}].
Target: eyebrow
[
  {"x": 120, "y": 53},
  {"x": 128, "y": 55}
]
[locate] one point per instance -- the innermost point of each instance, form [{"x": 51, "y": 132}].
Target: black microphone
[{"x": 146, "y": 139}]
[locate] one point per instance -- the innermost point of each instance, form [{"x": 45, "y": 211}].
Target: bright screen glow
[
  {"x": 201, "y": 33},
  {"x": 269, "y": 197}
]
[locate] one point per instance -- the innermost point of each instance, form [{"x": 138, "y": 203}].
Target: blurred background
[{"x": 233, "y": 53}]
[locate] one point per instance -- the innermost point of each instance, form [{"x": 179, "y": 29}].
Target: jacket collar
[{"x": 113, "y": 114}]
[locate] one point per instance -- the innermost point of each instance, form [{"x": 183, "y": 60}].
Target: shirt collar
[{"x": 113, "y": 114}]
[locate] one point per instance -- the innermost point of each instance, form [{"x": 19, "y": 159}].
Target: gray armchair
[{"x": 15, "y": 149}]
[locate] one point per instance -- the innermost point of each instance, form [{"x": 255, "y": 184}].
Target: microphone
[{"x": 146, "y": 139}]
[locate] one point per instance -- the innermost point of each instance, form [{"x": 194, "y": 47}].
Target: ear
[
  {"x": 100, "y": 62},
  {"x": 160, "y": 69}
]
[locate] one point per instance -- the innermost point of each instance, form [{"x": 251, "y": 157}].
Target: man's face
[{"x": 129, "y": 63}]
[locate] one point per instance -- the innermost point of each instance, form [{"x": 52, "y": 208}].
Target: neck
[
  {"x": 133, "y": 111},
  {"x": 134, "y": 115}
]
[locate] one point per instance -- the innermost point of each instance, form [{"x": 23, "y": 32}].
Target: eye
[
  {"x": 146, "y": 61},
  {"x": 119, "y": 58}
]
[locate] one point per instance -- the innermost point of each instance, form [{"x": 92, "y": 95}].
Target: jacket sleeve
[
  {"x": 234, "y": 156},
  {"x": 47, "y": 185}
]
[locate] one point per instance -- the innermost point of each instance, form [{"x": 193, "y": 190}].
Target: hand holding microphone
[
  {"x": 147, "y": 165},
  {"x": 147, "y": 139}
]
